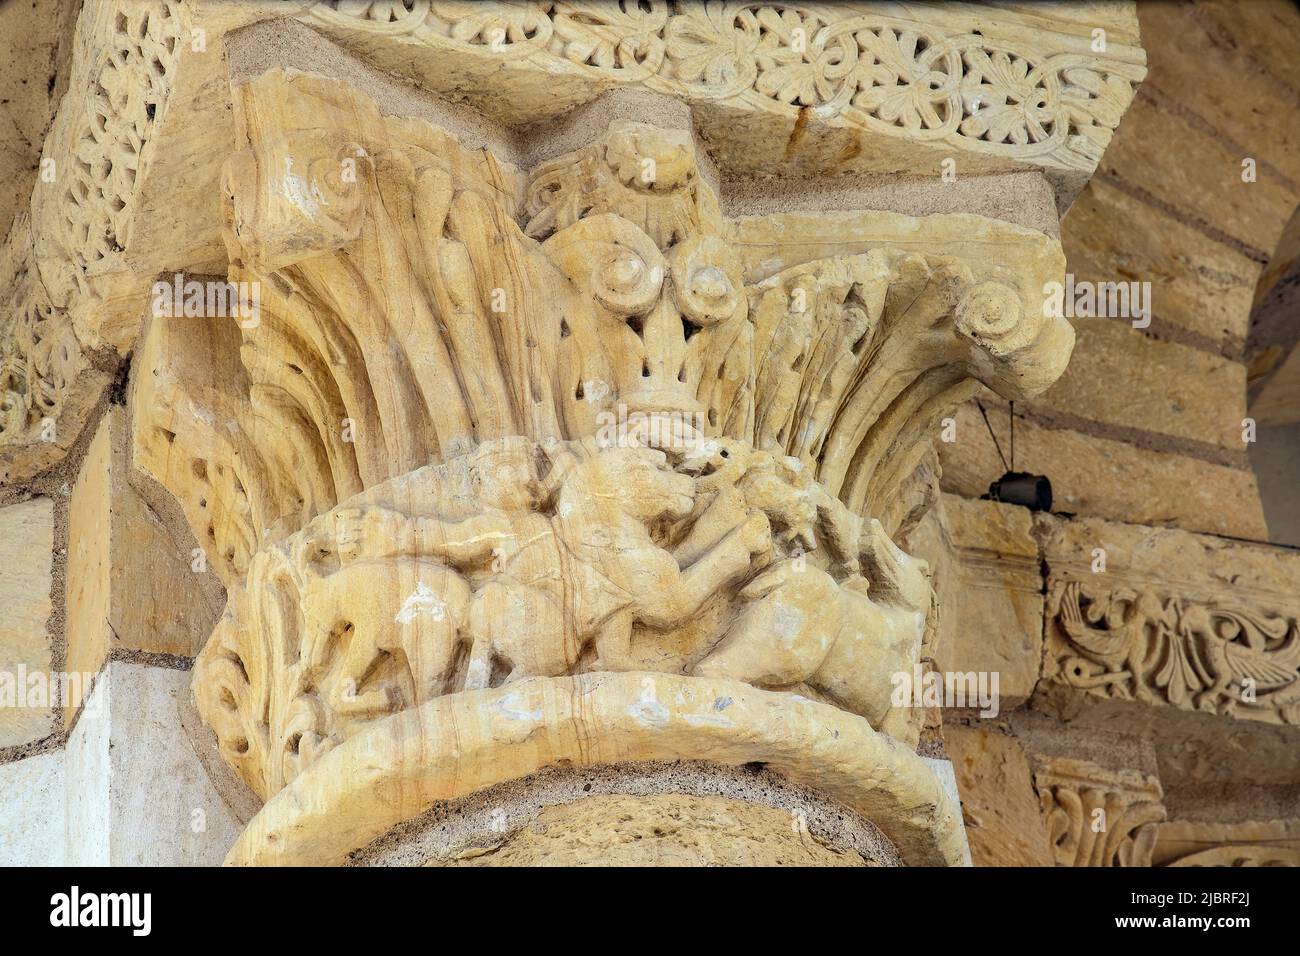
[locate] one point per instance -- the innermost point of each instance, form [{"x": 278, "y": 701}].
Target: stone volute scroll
[{"x": 537, "y": 458}]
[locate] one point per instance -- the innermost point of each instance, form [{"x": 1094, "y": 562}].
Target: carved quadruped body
[{"x": 493, "y": 429}]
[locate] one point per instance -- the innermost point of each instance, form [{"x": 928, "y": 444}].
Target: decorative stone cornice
[
  {"x": 1265, "y": 843},
  {"x": 849, "y": 84},
  {"x": 812, "y": 90}
]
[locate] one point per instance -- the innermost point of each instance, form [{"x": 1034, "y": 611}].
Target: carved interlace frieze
[
  {"x": 43, "y": 368},
  {"x": 1137, "y": 643},
  {"x": 921, "y": 77},
  {"x": 83, "y": 204}
]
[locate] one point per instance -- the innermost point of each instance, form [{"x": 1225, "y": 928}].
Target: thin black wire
[
  {"x": 985, "y": 415},
  {"x": 1011, "y": 415}
]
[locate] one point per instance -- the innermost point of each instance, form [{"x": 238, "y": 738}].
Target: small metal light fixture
[{"x": 1016, "y": 487}]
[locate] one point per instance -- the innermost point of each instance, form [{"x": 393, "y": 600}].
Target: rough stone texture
[
  {"x": 483, "y": 820},
  {"x": 454, "y": 745},
  {"x": 1201, "y": 179},
  {"x": 999, "y": 804},
  {"x": 1119, "y": 377},
  {"x": 35, "y": 46},
  {"x": 1254, "y": 843},
  {"x": 127, "y": 789},
  {"x": 1198, "y": 285},
  {"x": 27, "y": 533},
  {"x": 31, "y": 808},
  {"x": 89, "y": 583},
  {"x": 1216, "y": 56},
  {"x": 661, "y": 830},
  {"x": 1105, "y": 477}
]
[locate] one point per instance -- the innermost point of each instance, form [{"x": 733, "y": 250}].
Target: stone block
[
  {"x": 31, "y": 806},
  {"x": 1201, "y": 180},
  {"x": 26, "y": 567},
  {"x": 1119, "y": 377},
  {"x": 1254, "y": 843},
  {"x": 1211, "y": 58},
  {"x": 1106, "y": 477},
  {"x": 138, "y": 794},
  {"x": 131, "y": 583},
  {"x": 1172, "y": 619},
  {"x": 985, "y": 561},
  {"x": 88, "y": 585},
  {"x": 1197, "y": 283},
  {"x": 999, "y": 804}
]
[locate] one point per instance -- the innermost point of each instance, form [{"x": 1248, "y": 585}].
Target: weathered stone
[
  {"x": 89, "y": 583},
  {"x": 1169, "y": 618},
  {"x": 137, "y": 793},
  {"x": 29, "y": 41},
  {"x": 1004, "y": 824},
  {"x": 1118, "y": 376},
  {"x": 31, "y": 806},
  {"x": 1106, "y": 477},
  {"x": 661, "y": 830},
  {"x": 26, "y": 651},
  {"x": 1266, "y": 843},
  {"x": 1211, "y": 58},
  {"x": 1098, "y": 816},
  {"x": 1201, "y": 179},
  {"x": 447, "y": 568},
  {"x": 135, "y": 583}
]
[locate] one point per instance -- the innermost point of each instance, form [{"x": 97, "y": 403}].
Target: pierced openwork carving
[
  {"x": 128, "y": 54},
  {"x": 913, "y": 77},
  {"x": 39, "y": 353},
  {"x": 1134, "y": 644}
]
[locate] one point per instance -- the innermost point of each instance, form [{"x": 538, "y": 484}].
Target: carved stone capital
[
  {"x": 494, "y": 437},
  {"x": 516, "y": 444}
]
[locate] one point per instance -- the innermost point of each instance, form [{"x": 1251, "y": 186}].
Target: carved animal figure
[
  {"x": 552, "y": 583},
  {"x": 1122, "y": 644},
  {"x": 395, "y": 626},
  {"x": 801, "y": 626}
]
